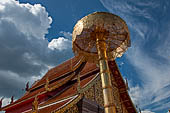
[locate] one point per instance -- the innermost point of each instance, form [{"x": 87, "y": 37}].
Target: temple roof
[{"x": 63, "y": 78}]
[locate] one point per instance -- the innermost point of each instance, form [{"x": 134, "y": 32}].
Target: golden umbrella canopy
[{"x": 115, "y": 30}]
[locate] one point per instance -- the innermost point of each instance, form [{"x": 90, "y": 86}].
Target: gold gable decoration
[{"x": 35, "y": 105}]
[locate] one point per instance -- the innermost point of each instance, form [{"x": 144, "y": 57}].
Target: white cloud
[
  {"x": 60, "y": 44},
  {"x": 164, "y": 49},
  {"x": 136, "y": 94},
  {"x": 1, "y": 7},
  {"x": 5, "y": 1},
  {"x": 67, "y": 35},
  {"x": 25, "y": 55},
  {"x": 138, "y": 8},
  {"x": 5, "y": 101},
  {"x": 152, "y": 77},
  {"x": 22, "y": 37},
  {"x": 32, "y": 16},
  {"x": 147, "y": 111},
  {"x": 149, "y": 46}
]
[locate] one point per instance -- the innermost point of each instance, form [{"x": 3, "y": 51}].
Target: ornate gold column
[{"x": 105, "y": 74}]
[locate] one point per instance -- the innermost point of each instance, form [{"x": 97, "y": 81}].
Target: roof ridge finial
[
  {"x": 12, "y": 99},
  {"x": 1, "y": 102},
  {"x": 27, "y": 86}
]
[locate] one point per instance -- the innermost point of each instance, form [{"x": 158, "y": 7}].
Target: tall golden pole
[
  {"x": 101, "y": 37},
  {"x": 105, "y": 74}
]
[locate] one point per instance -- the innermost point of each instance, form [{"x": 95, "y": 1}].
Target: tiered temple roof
[{"x": 64, "y": 87}]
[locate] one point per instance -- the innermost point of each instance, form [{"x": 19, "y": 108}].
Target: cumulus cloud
[
  {"x": 60, "y": 44},
  {"x": 22, "y": 31},
  {"x": 24, "y": 52},
  {"x": 149, "y": 54},
  {"x": 32, "y": 16}
]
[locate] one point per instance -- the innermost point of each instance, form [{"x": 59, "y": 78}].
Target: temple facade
[{"x": 73, "y": 87}]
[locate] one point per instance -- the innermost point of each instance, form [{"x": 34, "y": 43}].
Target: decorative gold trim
[
  {"x": 35, "y": 105},
  {"x": 65, "y": 80},
  {"x": 47, "y": 85},
  {"x": 82, "y": 59},
  {"x": 8, "y": 106},
  {"x": 90, "y": 84},
  {"x": 69, "y": 105},
  {"x": 81, "y": 91},
  {"x": 78, "y": 83},
  {"x": 59, "y": 84}
]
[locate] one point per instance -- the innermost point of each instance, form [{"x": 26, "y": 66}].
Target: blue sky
[{"x": 35, "y": 35}]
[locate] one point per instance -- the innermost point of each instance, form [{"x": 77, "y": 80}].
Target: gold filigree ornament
[
  {"x": 69, "y": 105},
  {"x": 104, "y": 25}
]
